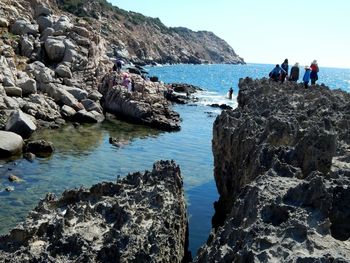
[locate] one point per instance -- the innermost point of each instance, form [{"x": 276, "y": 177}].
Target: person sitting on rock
[
  {"x": 306, "y": 77},
  {"x": 294, "y": 72},
  {"x": 126, "y": 81},
  {"x": 275, "y": 74}
]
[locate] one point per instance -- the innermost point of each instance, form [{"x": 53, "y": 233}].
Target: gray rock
[
  {"x": 67, "y": 112},
  {"x": 42, "y": 10},
  {"x": 55, "y": 49},
  {"x": 95, "y": 95},
  {"x": 140, "y": 218},
  {"x": 82, "y": 31},
  {"x": 63, "y": 71},
  {"x": 26, "y": 45},
  {"x": 46, "y": 34},
  {"x": 11, "y": 103},
  {"x": 13, "y": 91},
  {"x": 3, "y": 22},
  {"x": 44, "y": 22},
  {"x": 90, "y": 105},
  {"x": 40, "y": 148},
  {"x": 84, "y": 116},
  {"x": 28, "y": 86},
  {"x": 8, "y": 81},
  {"x": 10, "y": 144},
  {"x": 63, "y": 24},
  {"x": 79, "y": 94},
  {"x": 21, "y": 124},
  {"x": 41, "y": 107},
  {"x": 42, "y": 74},
  {"x": 22, "y": 27}
]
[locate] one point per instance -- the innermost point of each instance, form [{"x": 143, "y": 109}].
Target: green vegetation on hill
[{"x": 82, "y": 8}]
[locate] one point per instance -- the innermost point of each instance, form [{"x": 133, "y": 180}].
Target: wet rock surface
[
  {"x": 282, "y": 170},
  {"x": 140, "y": 218}
]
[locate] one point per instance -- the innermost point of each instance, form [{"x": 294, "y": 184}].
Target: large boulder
[
  {"x": 90, "y": 105},
  {"x": 27, "y": 85},
  {"x": 63, "y": 24},
  {"x": 79, "y": 94},
  {"x": 44, "y": 22},
  {"x": 13, "y": 91},
  {"x": 10, "y": 144},
  {"x": 21, "y": 124},
  {"x": 55, "y": 48},
  {"x": 148, "y": 107},
  {"x": 22, "y": 27},
  {"x": 63, "y": 71},
  {"x": 84, "y": 116},
  {"x": 139, "y": 218},
  {"x": 42, "y": 10},
  {"x": 26, "y": 45},
  {"x": 40, "y": 148}
]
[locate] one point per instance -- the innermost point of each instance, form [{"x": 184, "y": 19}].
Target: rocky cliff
[
  {"x": 140, "y": 218},
  {"x": 142, "y": 39},
  {"x": 282, "y": 168}
]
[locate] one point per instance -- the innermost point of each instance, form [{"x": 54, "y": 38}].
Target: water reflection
[
  {"x": 83, "y": 156},
  {"x": 85, "y": 138}
]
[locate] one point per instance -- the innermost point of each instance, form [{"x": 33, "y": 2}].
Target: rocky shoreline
[
  {"x": 282, "y": 171},
  {"x": 140, "y": 218},
  {"x": 281, "y": 158}
]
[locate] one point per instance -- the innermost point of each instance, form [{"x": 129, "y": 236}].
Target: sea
[{"x": 84, "y": 155}]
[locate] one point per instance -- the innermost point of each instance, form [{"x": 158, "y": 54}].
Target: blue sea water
[{"x": 84, "y": 156}]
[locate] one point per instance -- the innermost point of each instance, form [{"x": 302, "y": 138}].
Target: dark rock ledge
[
  {"x": 141, "y": 218},
  {"x": 282, "y": 168}
]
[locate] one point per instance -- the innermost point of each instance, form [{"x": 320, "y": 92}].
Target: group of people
[{"x": 280, "y": 73}]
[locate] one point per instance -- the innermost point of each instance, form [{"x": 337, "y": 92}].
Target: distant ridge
[{"x": 145, "y": 40}]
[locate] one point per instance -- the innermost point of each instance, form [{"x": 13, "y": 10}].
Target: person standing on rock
[
  {"x": 230, "y": 92},
  {"x": 314, "y": 71},
  {"x": 118, "y": 65},
  {"x": 275, "y": 74},
  {"x": 294, "y": 73},
  {"x": 284, "y": 73},
  {"x": 306, "y": 77}
]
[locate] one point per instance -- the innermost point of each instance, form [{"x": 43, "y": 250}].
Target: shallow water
[{"x": 84, "y": 155}]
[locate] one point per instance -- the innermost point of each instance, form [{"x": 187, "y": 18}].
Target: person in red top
[{"x": 314, "y": 71}]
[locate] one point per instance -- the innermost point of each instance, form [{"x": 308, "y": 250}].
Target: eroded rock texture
[
  {"x": 146, "y": 104},
  {"x": 282, "y": 170},
  {"x": 141, "y": 218}
]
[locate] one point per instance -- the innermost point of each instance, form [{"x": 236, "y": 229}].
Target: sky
[{"x": 263, "y": 31}]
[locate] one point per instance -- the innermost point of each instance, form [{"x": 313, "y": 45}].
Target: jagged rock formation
[
  {"x": 140, "y": 218},
  {"x": 146, "y": 104},
  {"x": 282, "y": 167}
]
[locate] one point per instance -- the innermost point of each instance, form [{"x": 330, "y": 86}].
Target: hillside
[{"x": 141, "y": 39}]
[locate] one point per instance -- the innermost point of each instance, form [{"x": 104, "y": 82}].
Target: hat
[
  {"x": 314, "y": 62},
  {"x": 296, "y": 64}
]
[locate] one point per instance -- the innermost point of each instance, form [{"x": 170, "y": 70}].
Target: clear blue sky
[{"x": 263, "y": 31}]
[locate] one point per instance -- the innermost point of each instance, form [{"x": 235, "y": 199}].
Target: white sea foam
[{"x": 209, "y": 97}]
